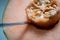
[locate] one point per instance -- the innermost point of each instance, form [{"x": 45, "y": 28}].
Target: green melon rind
[{"x": 4, "y": 30}]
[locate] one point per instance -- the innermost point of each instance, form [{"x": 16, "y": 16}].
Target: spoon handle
[{"x": 11, "y": 24}]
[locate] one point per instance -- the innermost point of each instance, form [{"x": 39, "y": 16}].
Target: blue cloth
[{"x": 3, "y": 4}]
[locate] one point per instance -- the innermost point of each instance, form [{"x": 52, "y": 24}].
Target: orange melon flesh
[{"x": 15, "y": 12}]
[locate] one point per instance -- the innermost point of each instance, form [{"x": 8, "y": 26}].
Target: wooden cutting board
[{"x": 15, "y": 12}]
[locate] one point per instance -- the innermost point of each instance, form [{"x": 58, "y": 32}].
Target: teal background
[{"x": 3, "y": 4}]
